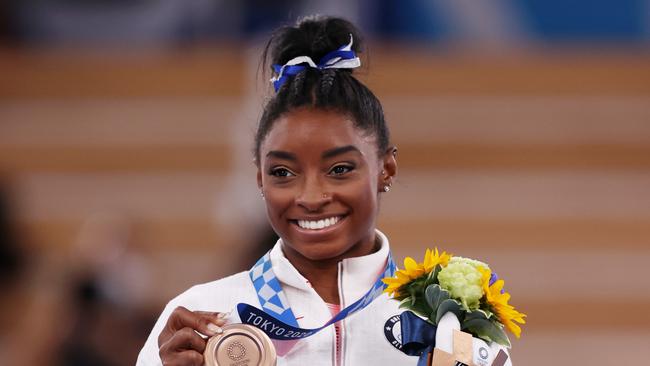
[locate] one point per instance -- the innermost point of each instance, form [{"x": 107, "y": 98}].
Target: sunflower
[
  {"x": 413, "y": 270},
  {"x": 498, "y": 301}
]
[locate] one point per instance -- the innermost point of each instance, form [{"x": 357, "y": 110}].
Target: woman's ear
[
  {"x": 259, "y": 178},
  {"x": 259, "y": 182},
  {"x": 388, "y": 169}
]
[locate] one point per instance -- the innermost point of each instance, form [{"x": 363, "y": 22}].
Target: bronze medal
[{"x": 240, "y": 345}]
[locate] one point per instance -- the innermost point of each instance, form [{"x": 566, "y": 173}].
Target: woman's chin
[{"x": 316, "y": 252}]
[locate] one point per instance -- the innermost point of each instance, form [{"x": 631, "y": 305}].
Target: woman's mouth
[{"x": 318, "y": 224}]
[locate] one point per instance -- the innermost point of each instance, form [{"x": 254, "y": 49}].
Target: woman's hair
[{"x": 328, "y": 89}]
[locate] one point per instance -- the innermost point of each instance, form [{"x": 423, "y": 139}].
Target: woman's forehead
[{"x": 315, "y": 130}]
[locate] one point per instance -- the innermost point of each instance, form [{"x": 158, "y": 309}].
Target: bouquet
[{"x": 466, "y": 287}]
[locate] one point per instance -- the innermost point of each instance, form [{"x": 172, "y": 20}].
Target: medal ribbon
[{"x": 277, "y": 319}]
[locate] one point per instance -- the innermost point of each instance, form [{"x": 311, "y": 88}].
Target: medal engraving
[{"x": 236, "y": 351}]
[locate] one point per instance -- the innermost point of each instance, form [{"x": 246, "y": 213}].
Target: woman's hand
[{"x": 180, "y": 344}]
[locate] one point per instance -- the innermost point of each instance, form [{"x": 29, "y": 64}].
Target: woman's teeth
[{"x": 319, "y": 224}]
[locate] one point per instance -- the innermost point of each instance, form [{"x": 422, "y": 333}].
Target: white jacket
[{"x": 363, "y": 338}]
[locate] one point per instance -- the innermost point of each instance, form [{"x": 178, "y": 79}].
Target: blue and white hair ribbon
[
  {"x": 277, "y": 320},
  {"x": 342, "y": 58}
]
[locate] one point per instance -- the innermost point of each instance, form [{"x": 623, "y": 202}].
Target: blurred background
[{"x": 126, "y": 171}]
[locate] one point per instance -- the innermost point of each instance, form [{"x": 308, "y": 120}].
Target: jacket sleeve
[{"x": 149, "y": 353}]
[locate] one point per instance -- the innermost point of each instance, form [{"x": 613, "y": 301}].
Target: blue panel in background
[
  {"x": 408, "y": 19},
  {"x": 587, "y": 20}
]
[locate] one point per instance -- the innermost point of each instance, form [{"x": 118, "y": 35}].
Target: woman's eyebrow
[
  {"x": 339, "y": 150},
  {"x": 281, "y": 155}
]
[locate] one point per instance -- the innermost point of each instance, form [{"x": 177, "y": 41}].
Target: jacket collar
[{"x": 356, "y": 274}]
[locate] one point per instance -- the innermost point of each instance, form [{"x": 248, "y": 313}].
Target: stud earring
[
  {"x": 386, "y": 189},
  {"x": 262, "y": 194}
]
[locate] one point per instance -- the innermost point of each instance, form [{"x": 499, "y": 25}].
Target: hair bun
[
  {"x": 325, "y": 84},
  {"x": 313, "y": 36}
]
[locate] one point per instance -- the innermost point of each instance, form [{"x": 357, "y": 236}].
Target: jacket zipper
[{"x": 341, "y": 323}]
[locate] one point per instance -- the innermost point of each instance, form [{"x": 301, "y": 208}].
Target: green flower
[
  {"x": 462, "y": 279},
  {"x": 473, "y": 262}
]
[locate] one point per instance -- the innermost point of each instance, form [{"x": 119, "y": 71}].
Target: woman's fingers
[
  {"x": 205, "y": 323},
  {"x": 184, "y": 339},
  {"x": 184, "y": 358},
  {"x": 181, "y": 340},
  {"x": 184, "y": 347}
]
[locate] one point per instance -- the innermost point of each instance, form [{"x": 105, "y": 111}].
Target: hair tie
[{"x": 342, "y": 58}]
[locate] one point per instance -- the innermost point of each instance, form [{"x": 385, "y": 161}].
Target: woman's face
[{"x": 321, "y": 179}]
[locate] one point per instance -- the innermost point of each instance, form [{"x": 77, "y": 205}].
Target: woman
[{"x": 324, "y": 159}]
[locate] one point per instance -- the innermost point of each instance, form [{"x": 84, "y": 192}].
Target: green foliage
[
  {"x": 434, "y": 295},
  {"x": 449, "y": 305},
  {"x": 426, "y": 298},
  {"x": 478, "y": 323}
]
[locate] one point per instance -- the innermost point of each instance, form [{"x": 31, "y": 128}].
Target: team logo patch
[{"x": 393, "y": 331}]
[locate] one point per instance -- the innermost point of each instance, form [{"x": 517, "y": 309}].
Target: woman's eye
[
  {"x": 341, "y": 169},
  {"x": 281, "y": 172}
]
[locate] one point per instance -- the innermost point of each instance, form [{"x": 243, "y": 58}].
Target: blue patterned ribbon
[
  {"x": 277, "y": 319},
  {"x": 341, "y": 58}
]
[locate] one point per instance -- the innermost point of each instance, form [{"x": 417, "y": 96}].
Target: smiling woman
[{"x": 323, "y": 161}]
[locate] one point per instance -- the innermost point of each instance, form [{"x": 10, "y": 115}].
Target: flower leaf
[
  {"x": 414, "y": 295},
  {"x": 486, "y": 330},
  {"x": 421, "y": 308},
  {"x": 405, "y": 303},
  {"x": 477, "y": 314},
  {"x": 418, "y": 306},
  {"x": 433, "y": 275},
  {"x": 434, "y": 295},
  {"x": 487, "y": 312},
  {"x": 446, "y": 306}
]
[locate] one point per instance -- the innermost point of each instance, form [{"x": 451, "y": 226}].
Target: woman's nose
[{"x": 313, "y": 196}]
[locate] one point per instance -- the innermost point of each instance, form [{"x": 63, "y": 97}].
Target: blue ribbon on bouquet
[
  {"x": 276, "y": 318},
  {"x": 418, "y": 336}
]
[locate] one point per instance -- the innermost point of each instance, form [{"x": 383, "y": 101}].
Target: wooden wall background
[{"x": 536, "y": 162}]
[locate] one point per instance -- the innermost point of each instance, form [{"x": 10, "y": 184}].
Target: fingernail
[
  {"x": 223, "y": 315},
  {"x": 215, "y": 328}
]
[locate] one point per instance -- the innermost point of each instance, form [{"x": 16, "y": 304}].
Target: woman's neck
[
  {"x": 323, "y": 278},
  {"x": 323, "y": 274}
]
